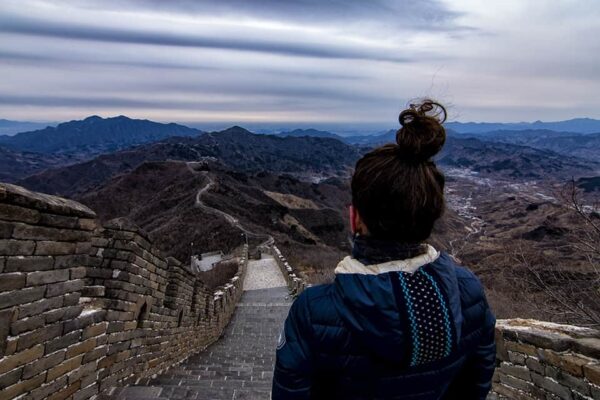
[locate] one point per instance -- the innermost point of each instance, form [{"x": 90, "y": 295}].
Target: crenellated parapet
[
  {"x": 85, "y": 307},
  {"x": 295, "y": 283}
]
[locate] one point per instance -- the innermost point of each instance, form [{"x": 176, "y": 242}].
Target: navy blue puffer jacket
[{"x": 418, "y": 328}]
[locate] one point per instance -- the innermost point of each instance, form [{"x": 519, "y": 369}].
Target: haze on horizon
[{"x": 304, "y": 62}]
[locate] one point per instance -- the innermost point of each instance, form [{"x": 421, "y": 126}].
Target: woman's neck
[{"x": 369, "y": 250}]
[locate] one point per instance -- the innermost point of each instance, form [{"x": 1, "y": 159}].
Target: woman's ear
[
  {"x": 356, "y": 223},
  {"x": 352, "y": 211}
]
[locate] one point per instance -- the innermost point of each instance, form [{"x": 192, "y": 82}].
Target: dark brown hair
[{"x": 397, "y": 188}]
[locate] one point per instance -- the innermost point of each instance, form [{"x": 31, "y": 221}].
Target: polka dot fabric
[{"x": 428, "y": 317}]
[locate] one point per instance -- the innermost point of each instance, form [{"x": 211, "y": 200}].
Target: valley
[{"x": 505, "y": 217}]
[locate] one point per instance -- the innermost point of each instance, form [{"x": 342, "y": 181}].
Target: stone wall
[
  {"x": 85, "y": 307},
  {"x": 541, "y": 360},
  {"x": 295, "y": 283}
]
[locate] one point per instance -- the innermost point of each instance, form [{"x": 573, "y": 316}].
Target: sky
[{"x": 298, "y": 62}]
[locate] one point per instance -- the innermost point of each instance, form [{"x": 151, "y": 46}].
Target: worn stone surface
[{"x": 239, "y": 366}]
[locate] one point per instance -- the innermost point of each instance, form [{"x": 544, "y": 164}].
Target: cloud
[
  {"x": 264, "y": 44},
  {"x": 350, "y": 61}
]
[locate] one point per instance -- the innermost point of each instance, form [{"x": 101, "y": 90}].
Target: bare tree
[{"x": 574, "y": 292}]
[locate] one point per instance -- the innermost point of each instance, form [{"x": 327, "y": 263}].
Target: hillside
[
  {"x": 577, "y": 145},
  {"x": 161, "y": 196},
  {"x": 15, "y": 165},
  {"x": 239, "y": 149},
  {"x": 94, "y": 135}
]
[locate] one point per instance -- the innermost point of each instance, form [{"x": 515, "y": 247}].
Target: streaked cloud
[{"x": 345, "y": 62}]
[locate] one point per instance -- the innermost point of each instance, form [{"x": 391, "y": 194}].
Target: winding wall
[{"x": 85, "y": 307}]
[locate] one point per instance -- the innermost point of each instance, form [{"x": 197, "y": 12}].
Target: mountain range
[
  {"x": 79, "y": 155},
  {"x": 93, "y": 135}
]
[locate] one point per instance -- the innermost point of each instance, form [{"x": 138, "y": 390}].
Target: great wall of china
[{"x": 85, "y": 309}]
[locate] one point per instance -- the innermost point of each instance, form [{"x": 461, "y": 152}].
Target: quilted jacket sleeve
[
  {"x": 474, "y": 381},
  {"x": 292, "y": 378}
]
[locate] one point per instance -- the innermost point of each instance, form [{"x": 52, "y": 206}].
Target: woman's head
[{"x": 397, "y": 191}]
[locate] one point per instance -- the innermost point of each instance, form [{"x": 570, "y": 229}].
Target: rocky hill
[
  {"x": 239, "y": 149},
  {"x": 15, "y": 165}
]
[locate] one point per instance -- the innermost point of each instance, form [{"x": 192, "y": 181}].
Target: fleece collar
[{"x": 351, "y": 265}]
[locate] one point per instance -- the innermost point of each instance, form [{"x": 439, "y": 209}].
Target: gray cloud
[
  {"x": 349, "y": 61},
  {"x": 38, "y": 27}
]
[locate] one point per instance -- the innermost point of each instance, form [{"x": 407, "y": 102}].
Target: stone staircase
[{"x": 239, "y": 365}]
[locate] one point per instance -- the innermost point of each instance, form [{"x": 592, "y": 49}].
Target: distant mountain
[
  {"x": 94, "y": 135},
  {"x": 577, "y": 125},
  {"x": 372, "y": 140},
  {"x": 8, "y": 127},
  {"x": 311, "y": 133},
  {"x": 15, "y": 165},
  {"x": 579, "y": 145},
  {"x": 237, "y": 148},
  {"x": 507, "y": 160}
]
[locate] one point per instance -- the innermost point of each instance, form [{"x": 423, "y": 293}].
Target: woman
[{"x": 401, "y": 320}]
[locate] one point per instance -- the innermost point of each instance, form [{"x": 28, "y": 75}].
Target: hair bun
[{"x": 422, "y": 135}]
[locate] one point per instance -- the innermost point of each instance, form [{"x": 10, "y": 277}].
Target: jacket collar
[{"x": 350, "y": 265}]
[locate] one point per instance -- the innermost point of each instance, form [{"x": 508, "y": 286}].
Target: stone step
[{"x": 238, "y": 366}]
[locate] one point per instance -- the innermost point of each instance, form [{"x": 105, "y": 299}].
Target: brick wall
[
  {"x": 541, "y": 360},
  {"x": 85, "y": 307}
]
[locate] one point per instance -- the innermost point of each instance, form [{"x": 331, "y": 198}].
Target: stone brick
[
  {"x": 11, "y": 212},
  {"x": 38, "y": 307},
  {"x": 43, "y": 364},
  {"x": 86, "y": 393},
  {"x": 26, "y": 295},
  {"x": 22, "y": 231},
  {"x": 16, "y": 360},
  {"x": 87, "y": 224},
  {"x": 11, "y": 377},
  {"x": 45, "y": 277},
  {"x": 27, "y": 324},
  {"x": 570, "y": 363},
  {"x": 95, "y": 354},
  {"x": 46, "y": 390},
  {"x": 23, "y": 386},
  {"x": 66, "y": 393},
  {"x": 71, "y": 260},
  {"x": 65, "y": 287},
  {"x": 12, "y": 281},
  {"x": 83, "y": 371},
  {"x": 40, "y": 335},
  {"x": 6, "y": 317},
  {"x": 94, "y": 330},
  {"x": 66, "y": 366},
  {"x": 54, "y": 248},
  {"x": 11, "y": 247},
  {"x": 29, "y": 263},
  {"x": 6, "y": 230},
  {"x": 574, "y": 383},
  {"x": 63, "y": 341},
  {"x": 534, "y": 365},
  {"x": 85, "y": 346},
  {"x": 64, "y": 313},
  {"x": 588, "y": 347},
  {"x": 93, "y": 291},
  {"x": 59, "y": 221},
  {"x": 552, "y": 386},
  {"x": 71, "y": 299},
  {"x": 78, "y": 272},
  {"x": 516, "y": 358},
  {"x": 592, "y": 373}
]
